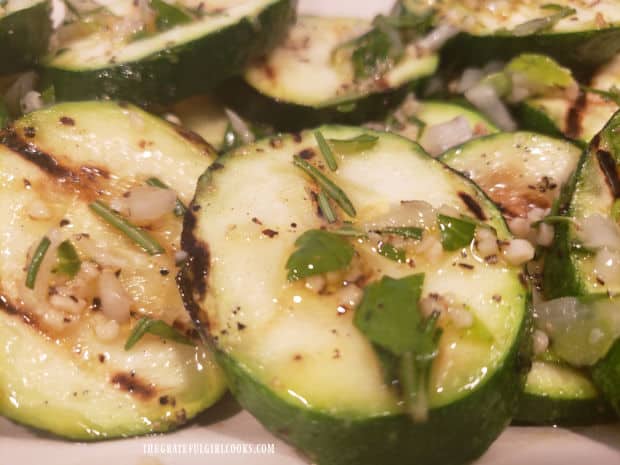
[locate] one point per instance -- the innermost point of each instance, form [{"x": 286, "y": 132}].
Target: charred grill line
[{"x": 609, "y": 167}]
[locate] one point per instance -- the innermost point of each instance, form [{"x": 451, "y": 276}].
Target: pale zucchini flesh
[
  {"x": 275, "y": 336},
  {"x": 518, "y": 171},
  {"x": 56, "y": 372}
]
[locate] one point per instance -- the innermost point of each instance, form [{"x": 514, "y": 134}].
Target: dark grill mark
[
  {"x": 192, "y": 279},
  {"x": 610, "y": 170},
  {"x": 472, "y": 205},
  {"x": 575, "y": 115},
  {"x": 133, "y": 385},
  {"x": 28, "y": 151},
  {"x": 66, "y": 121},
  {"x": 306, "y": 154},
  {"x": 270, "y": 233}
]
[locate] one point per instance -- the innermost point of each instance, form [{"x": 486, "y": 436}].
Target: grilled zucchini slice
[
  {"x": 292, "y": 349},
  {"x": 305, "y": 82},
  {"x": 63, "y": 366},
  {"x": 157, "y": 63}
]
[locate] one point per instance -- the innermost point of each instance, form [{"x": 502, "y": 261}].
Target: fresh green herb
[
  {"x": 4, "y": 114},
  {"x": 136, "y": 234},
  {"x": 326, "y": 208},
  {"x": 347, "y": 107},
  {"x": 326, "y": 151},
  {"x": 374, "y": 52},
  {"x": 612, "y": 95},
  {"x": 48, "y": 95},
  {"x": 67, "y": 261},
  {"x": 390, "y": 252},
  {"x": 331, "y": 189},
  {"x": 541, "y": 70},
  {"x": 538, "y": 25},
  {"x": 318, "y": 252},
  {"x": 553, "y": 220},
  {"x": 388, "y": 314},
  {"x": 355, "y": 144},
  {"x": 157, "y": 328},
  {"x": 455, "y": 232},
  {"x": 390, "y": 318},
  {"x": 179, "y": 208},
  {"x": 347, "y": 229},
  {"x": 408, "y": 232},
  {"x": 169, "y": 16},
  {"x": 413, "y": 119},
  {"x": 615, "y": 210},
  {"x": 415, "y": 369},
  {"x": 35, "y": 263}
]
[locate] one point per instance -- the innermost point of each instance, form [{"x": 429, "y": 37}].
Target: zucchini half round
[
  {"x": 173, "y": 63},
  {"x": 25, "y": 28},
  {"x": 580, "y": 119},
  {"x": 63, "y": 366},
  {"x": 293, "y": 356},
  {"x": 523, "y": 171},
  {"x": 298, "y": 85},
  {"x": 582, "y": 40}
]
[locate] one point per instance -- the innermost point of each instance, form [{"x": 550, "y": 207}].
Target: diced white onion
[
  {"x": 486, "y": 242},
  {"x": 461, "y": 317},
  {"x": 607, "y": 266},
  {"x": 240, "y": 127},
  {"x": 484, "y": 97},
  {"x": 146, "y": 204},
  {"x": 410, "y": 213},
  {"x": 350, "y": 296},
  {"x": 22, "y": 85},
  {"x": 518, "y": 252},
  {"x": 38, "y": 210},
  {"x": 596, "y": 231},
  {"x": 59, "y": 11},
  {"x": 545, "y": 235},
  {"x": 315, "y": 283},
  {"x": 107, "y": 330},
  {"x": 438, "y": 138},
  {"x": 30, "y": 102},
  {"x": 115, "y": 302},
  {"x": 437, "y": 37},
  {"x": 67, "y": 304},
  {"x": 469, "y": 78},
  {"x": 540, "y": 341},
  {"x": 172, "y": 118}
]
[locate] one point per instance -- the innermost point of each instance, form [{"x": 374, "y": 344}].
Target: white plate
[{"x": 226, "y": 424}]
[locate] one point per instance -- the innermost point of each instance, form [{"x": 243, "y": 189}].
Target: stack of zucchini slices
[{"x": 388, "y": 238}]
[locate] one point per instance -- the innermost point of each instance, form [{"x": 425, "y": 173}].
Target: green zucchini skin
[
  {"x": 286, "y": 116},
  {"x": 24, "y": 37},
  {"x": 581, "y": 51},
  {"x": 180, "y": 71},
  {"x": 532, "y": 118},
  {"x": 606, "y": 375},
  {"x": 330, "y": 440},
  {"x": 579, "y": 405},
  {"x": 563, "y": 274}
]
